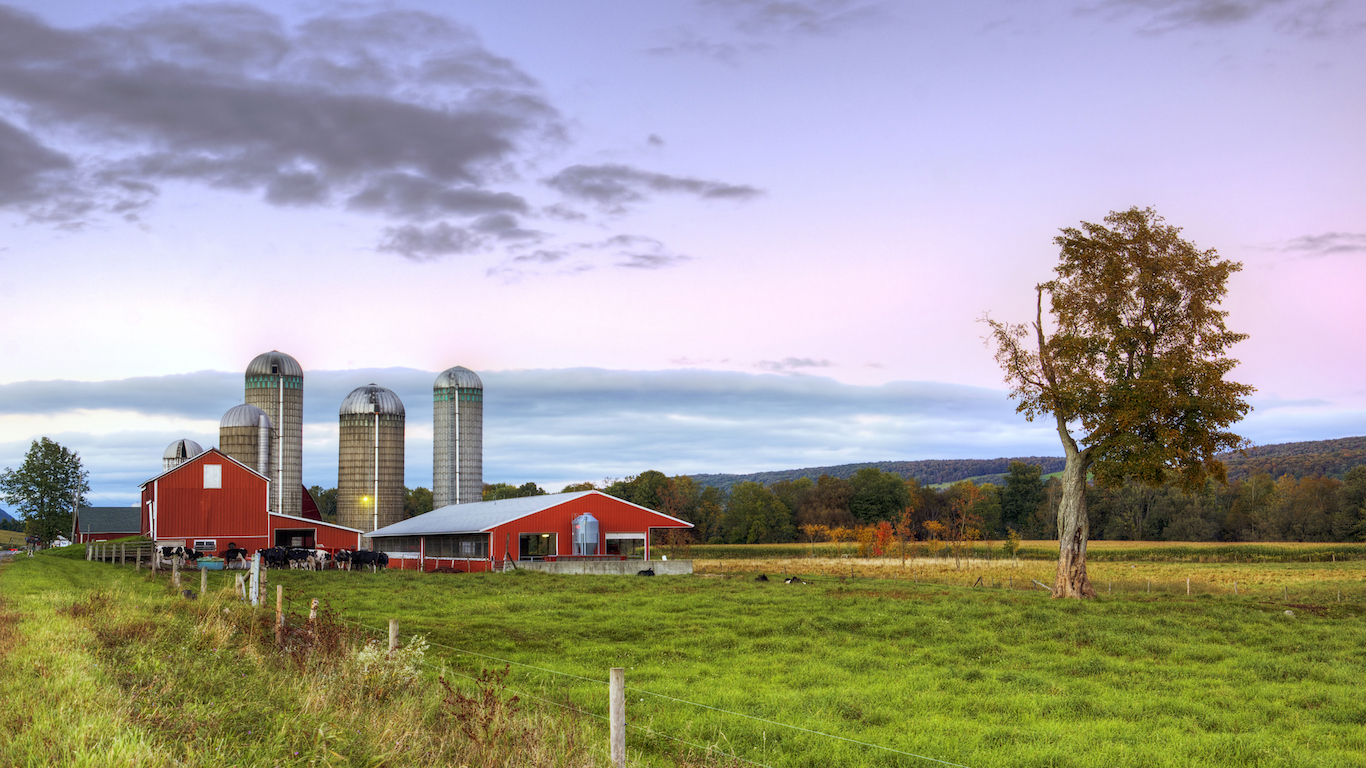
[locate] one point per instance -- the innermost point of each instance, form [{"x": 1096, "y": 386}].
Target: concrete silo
[
  {"x": 458, "y": 438},
  {"x": 370, "y": 464},
  {"x": 245, "y": 434},
  {"x": 178, "y": 453},
  {"x": 275, "y": 384}
]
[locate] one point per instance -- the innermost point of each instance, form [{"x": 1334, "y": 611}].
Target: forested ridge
[
  {"x": 1326, "y": 458},
  {"x": 925, "y": 472}
]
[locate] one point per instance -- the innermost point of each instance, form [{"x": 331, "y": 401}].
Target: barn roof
[
  {"x": 205, "y": 454},
  {"x": 110, "y": 519},
  {"x": 482, "y": 516}
]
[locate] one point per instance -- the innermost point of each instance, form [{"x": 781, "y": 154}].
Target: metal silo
[
  {"x": 178, "y": 453},
  {"x": 245, "y": 434},
  {"x": 370, "y": 464},
  {"x": 275, "y": 384},
  {"x": 458, "y": 438}
]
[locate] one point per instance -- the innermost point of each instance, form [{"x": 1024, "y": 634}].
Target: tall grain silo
[
  {"x": 370, "y": 461},
  {"x": 275, "y": 384},
  {"x": 178, "y": 453},
  {"x": 245, "y": 434},
  {"x": 458, "y": 438}
]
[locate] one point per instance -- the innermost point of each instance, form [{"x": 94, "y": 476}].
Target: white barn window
[{"x": 213, "y": 476}]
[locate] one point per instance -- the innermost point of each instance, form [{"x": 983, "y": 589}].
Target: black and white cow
[
  {"x": 235, "y": 558},
  {"x": 364, "y": 557}
]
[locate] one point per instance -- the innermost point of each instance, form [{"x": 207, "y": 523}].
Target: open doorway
[
  {"x": 536, "y": 546},
  {"x": 296, "y": 537}
]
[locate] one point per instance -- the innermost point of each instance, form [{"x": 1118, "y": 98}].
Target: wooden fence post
[
  {"x": 393, "y": 635},
  {"x": 1235, "y": 588},
  {"x": 617, "y": 695},
  {"x": 203, "y": 580},
  {"x": 123, "y": 554},
  {"x": 89, "y": 552},
  {"x": 1188, "y": 586},
  {"x": 279, "y": 613},
  {"x": 175, "y": 572},
  {"x": 1286, "y": 593}
]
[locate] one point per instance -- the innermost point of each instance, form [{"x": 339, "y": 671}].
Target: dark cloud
[
  {"x": 792, "y": 364},
  {"x": 428, "y": 243},
  {"x": 637, "y": 252},
  {"x": 754, "y": 26},
  {"x": 398, "y": 112},
  {"x": 1308, "y": 18},
  {"x": 619, "y": 422},
  {"x": 612, "y": 186},
  {"x": 808, "y": 17},
  {"x": 27, "y": 168},
  {"x": 505, "y": 226},
  {"x": 1327, "y": 244}
]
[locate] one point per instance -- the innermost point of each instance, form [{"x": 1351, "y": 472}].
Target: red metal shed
[
  {"x": 478, "y": 536},
  {"x": 213, "y": 500}
]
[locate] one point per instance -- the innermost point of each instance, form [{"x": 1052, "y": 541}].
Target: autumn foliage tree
[{"x": 1134, "y": 361}]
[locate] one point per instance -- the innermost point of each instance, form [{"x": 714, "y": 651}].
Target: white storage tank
[{"x": 584, "y": 531}]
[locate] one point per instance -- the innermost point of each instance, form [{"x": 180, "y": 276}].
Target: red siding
[
  {"x": 325, "y": 535},
  {"x": 613, "y": 515},
  {"x": 186, "y": 510}
]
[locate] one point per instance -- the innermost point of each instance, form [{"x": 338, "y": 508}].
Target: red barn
[
  {"x": 482, "y": 535},
  {"x": 212, "y": 500}
]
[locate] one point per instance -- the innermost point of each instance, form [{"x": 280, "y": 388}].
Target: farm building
[
  {"x": 105, "y": 523},
  {"x": 567, "y": 528},
  {"x": 213, "y": 499}
]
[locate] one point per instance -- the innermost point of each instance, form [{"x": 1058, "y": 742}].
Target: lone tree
[
  {"x": 45, "y": 487},
  {"x": 1135, "y": 362}
]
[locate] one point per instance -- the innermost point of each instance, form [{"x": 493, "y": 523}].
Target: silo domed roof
[
  {"x": 283, "y": 365},
  {"x": 365, "y": 399},
  {"x": 243, "y": 416},
  {"x": 182, "y": 449},
  {"x": 460, "y": 377}
]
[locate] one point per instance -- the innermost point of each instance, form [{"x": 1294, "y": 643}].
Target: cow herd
[{"x": 297, "y": 558}]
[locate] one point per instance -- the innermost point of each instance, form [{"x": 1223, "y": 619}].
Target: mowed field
[{"x": 973, "y": 675}]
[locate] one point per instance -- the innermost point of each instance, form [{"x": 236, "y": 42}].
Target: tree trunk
[{"x": 1073, "y": 529}]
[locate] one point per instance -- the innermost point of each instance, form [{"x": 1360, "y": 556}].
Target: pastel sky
[{"x": 695, "y": 236}]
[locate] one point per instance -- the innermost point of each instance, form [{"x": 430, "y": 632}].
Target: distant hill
[
  {"x": 926, "y": 472},
  {"x": 1330, "y": 458},
  {"x": 7, "y": 516}
]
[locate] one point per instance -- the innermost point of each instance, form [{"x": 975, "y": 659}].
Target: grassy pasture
[
  {"x": 980, "y": 676},
  {"x": 11, "y": 539},
  {"x": 1097, "y": 551}
]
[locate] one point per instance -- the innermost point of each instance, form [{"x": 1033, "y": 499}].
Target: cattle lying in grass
[{"x": 647, "y": 572}]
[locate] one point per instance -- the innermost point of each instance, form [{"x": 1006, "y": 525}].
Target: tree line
[{"x": 1257, "y": 508}]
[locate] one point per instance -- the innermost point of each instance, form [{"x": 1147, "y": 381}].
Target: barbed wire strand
[
  {"x": 692, "y": 703},
  {"x": 704, "y": 747}
]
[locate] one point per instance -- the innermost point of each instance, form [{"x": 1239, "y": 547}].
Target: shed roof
[
  {"x": 484, "y": 516},
  {"x": 110, "y": 519}
]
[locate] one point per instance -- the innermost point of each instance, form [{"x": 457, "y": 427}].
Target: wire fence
[{"x": 710, "y": 749}]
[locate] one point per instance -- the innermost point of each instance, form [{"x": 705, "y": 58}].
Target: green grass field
[
  {"x": 11, "y": 539},
  {"x": 977, "y": 677}
]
